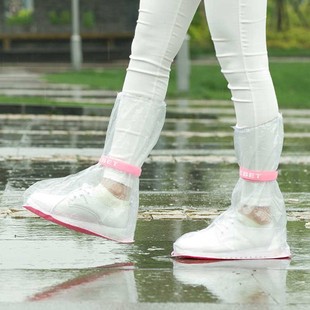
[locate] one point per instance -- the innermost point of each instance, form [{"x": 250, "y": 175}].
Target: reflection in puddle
[
  {"x": 243, "y": 282},
  {"x": 114, "y": 283},
  {"x": 32, "y": 244}
]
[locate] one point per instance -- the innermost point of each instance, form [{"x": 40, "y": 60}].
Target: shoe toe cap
[
  {"x": 43, "y": 201},
  {"x": 189, "y": 241}
]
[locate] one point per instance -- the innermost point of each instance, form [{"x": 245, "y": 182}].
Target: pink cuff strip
[
  {"x": 257, "y": 176},
  {"x": 120, "y": 165}
]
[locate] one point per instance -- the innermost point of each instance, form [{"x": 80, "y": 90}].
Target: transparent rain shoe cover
[
  {"x": 103, "y": 200},
  {"x": 82, "y": 202},
  {"x": 254, "y": 226}
]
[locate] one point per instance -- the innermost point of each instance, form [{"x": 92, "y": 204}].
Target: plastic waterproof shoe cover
[
  {"x": 254, "y": 226},
  {"x": 134, "y": 129},
  {"x": 81, "y": 202},
  {"x": 84, "y": 201}
]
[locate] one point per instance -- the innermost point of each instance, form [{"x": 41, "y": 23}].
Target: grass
[
  {"x": 111, "y": 79},
  {"x": 292, "y": 52},
  {"x": 207, "y": 82},
  {"x": 291, "y": 81}
]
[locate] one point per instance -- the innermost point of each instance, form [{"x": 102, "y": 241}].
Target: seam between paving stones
[{"x": 149, "y": 215}]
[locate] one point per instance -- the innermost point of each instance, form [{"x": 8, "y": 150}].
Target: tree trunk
[{"x": 280, "y": 14}]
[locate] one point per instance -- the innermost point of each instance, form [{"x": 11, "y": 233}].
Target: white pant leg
[
  {"x": 140, "y": 109},
  {"x": 160, "y": 31},
  {"x": 238, "y": 32}
]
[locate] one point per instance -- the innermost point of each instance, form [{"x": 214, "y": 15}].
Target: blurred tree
[
  {"x": 300, "y": 8},
  {"x": 281, "y": 13},
  {"x": 288, "y": 25},
  {"x": 287, "y": 14}
]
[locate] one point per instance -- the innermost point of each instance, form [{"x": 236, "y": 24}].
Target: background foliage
[{"x": 288, "y": 25}]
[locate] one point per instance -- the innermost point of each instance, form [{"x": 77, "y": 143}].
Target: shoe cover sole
[
  {"x": 237, "y": 255},
  {"x": 74, "y": 225}
]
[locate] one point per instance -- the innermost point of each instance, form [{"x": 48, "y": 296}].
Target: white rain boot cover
[
  {"x": 254, "y": 226},
  {"x": 81, "y": 201}
]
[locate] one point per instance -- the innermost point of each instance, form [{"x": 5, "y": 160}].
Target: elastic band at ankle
[
  {"x": 120, "y": 165},
  {"x": 257, "y": 176}
]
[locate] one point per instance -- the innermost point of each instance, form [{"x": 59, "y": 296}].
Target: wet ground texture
[{"x": 185, "y": 183}]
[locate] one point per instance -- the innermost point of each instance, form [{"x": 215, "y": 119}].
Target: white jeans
[{"x": 238, "y": 32}]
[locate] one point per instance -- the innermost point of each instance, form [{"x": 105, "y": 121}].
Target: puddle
[{"x": 58, "y": 265}]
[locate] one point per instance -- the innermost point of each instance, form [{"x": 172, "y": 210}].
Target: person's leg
[
  {"x": 103, "y": 199},
  {"x": 255, "y": 224},
  {"x": 160, "y": 31},
  {"x": 238, "y": 32}
]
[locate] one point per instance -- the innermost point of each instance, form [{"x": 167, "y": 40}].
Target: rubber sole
[
  {"x": 232, "y": 256},
  {"x": 77, "y": 228}
]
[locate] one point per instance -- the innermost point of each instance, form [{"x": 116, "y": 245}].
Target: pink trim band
[
  {"x": 257, "y": 176},
  {"x": 120, "y": 165}
]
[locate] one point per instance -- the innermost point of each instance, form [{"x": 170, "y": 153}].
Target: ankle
[
  {"x": 118, "y": 190},
  {"x": 261, "y": 215}
]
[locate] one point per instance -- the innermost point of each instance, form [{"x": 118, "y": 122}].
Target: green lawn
[
  {"x": 291, "y": 80},
  {"x": 292, "y": 83},
  {"x": 110, "y": 79}
]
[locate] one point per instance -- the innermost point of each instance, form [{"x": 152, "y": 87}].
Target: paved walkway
[{"x": 186, "y": 182}]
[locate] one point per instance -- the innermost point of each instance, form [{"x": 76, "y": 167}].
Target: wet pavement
[{"x": 185, "y": 183}]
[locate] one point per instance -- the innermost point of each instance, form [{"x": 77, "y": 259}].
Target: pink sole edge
[
  {"x": 69, "y": 226},
  {"x": 176, "y": 256}
]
